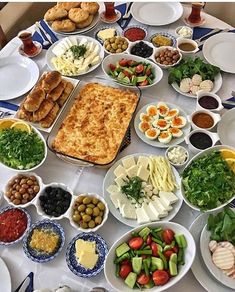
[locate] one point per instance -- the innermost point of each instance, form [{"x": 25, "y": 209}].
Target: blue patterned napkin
[
  {"x": 7, "y": 109},
  {"x": 30, "y": 286},
  {"x": 37, "y": 37},
  {"x": 122, "y": 9},
  {"x": 228, "y": 105},
  {"x": 199, "y": 32}
]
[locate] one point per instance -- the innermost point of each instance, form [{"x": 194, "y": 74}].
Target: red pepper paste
[{"x": 134, "y": 34}]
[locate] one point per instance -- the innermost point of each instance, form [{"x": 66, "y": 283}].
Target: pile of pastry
[
  {"x": 44, "y": 102},
  {"x": 69, "y": 16}
]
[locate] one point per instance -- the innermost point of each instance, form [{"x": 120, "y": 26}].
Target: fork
[{"x": 45, "y": 42}]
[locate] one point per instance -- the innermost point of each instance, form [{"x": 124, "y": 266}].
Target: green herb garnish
[
  {"x": 188, "y": 67},
  {"x": 208, "y": 181},
  {"x": 132, "y": 188},
  {"x": 78, "y": 51},
  {"x": 20, "y": 149}
]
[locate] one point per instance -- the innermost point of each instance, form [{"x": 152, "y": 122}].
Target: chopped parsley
[{"x": 78, "y": 51}]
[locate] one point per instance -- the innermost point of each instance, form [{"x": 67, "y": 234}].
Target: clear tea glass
[
  {"x": 29, "y": 47},
  {"x": 195, "y": 16},
  {"x": 110, "y": 12}
]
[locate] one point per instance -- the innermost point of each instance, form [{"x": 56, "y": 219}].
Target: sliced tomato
[
  {"x": 125, "y": 271},
  {"x": 143, "y": 279},
  {"x": 168, "y": 235},
  {"x": 126, "y": 73},
  {"x": 175, "y": 249},
  {"x": 149, "y": 240},
  {"x": 148, "y": 72},
  {"x": 131, "y": 62},
  {"x": 139, "y": 68},
  {"x": 154, "y": 249},
  {"x": 112, "y": 67},
  {"x": 144, "y": 83},
  {"x": 160, "y": 277},
  {"x": 168, "y": 254},
  {"x": 123, "y": 62},
  {"x": 126, "y": 262},
  {"x": 136, "y": 242}
]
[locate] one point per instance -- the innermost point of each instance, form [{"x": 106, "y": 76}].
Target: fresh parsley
[
  {"x": 132, "y": 188},
  {"x": 78, "y": 51}
]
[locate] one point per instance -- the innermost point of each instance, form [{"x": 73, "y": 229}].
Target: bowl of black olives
[
  {"x": 142, "y": 49},
  {"x": 88, "y": 212},
  {"x": 54, "y": 201}
]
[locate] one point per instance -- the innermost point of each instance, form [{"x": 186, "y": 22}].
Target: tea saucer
[
  {"x": 203, "y": 20},
  {"x": 118, "y": 16},
  {"x": 39, "y": 49}
]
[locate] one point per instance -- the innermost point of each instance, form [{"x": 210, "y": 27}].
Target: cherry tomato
[
  {"x": 168, "y": 235},
  {"x": 139, "y": 68},
  {"x": 143, "y": 279},
  {"x": 175, "y": 249},
  {"x": 126, "y": 262},
  {"x": 154, "y": 249},
  {"x": 125, "y": 270},
  {"x": 131, "y": 62},
  {"x": 123, "y": 62},
  {"x": 144, "y": 83},
  {"x": 148, "y": 72},
  {"x": 112, "y": 67},
  {"x": 136, "y": 242},
  {"x": 126, "y": 73},
  {"x": 168, "y": 254},
  {"x": 160, "y": 277},
  {"x": 149, "y": 240}
]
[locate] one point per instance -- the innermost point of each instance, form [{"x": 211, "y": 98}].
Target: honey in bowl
[
  {"x": 203, "y": 120},
  {"x": 186, "y": 47}
]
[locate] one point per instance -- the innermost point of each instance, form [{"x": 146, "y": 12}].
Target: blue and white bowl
[
  {"x": 165, "y": 34},
  {"x": 102, "y": 28},
  {"x": 42, "y": 257},
  {"x": 101, "y": 250},
  {"x": 26, "y": 230}
]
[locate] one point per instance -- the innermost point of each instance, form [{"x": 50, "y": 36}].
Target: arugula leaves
[
  {"x": 188, "y": 67},
  {"x": 78, "y": 51},
  {"x": 208, "y": 181}
]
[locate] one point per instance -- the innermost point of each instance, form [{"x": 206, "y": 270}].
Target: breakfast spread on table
[{"x": 89, "y": 123}]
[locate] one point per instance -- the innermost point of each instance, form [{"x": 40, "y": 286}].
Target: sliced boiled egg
[
  {"x": 144, "y": 126},
  {"x": 152, "y": 110},
  {"x": 161, "y": 124},
  {"x": 145, "y": 118},
  {"x": 152, "y": 133},
  {"x": 165, "y": 137},
  {"x": 163, "y": 109},
  {"x": 176, "y": 132},
  {"x": 172, "y": 113},
  {"x": 178, "y": 122}
]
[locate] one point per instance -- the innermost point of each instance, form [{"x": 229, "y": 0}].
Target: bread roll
[
  {"x": 78, "y": 15},
  {"x": 56, "y": 92},
  {"x": 24, "y": 115},
  {"x": 65, "y": 25},
  {"x": 34, "y": 99},
  {"x": 68, "y": 5},
  {"x": 68, "y": 89},
  {"x": 55, "y": 13},
  {"x": 43, "y": 110},
  {"x": 90, "y": 7},
  {"x": 49, "y": 119},
  {"x": 51, "y": 81},
  {"x": 86, "y": 22}
]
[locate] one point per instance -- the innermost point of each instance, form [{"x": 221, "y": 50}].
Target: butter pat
[
  {"x": 106, "y": 33},
  {"x": 88, "y": 259},
  {"x": 84, "y": 246}
]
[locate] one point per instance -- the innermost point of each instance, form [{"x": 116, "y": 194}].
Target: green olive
[
  {"x": 114, "y": 46},
  {"x": 96, "y": 211},
  {"x": 101, "y": 213},
  {"x": 76, "y": 212},
  {"x": 124, "y": 47},
  {"x": 80, "y": 199},
  {"x": 91, "y": 206},
  {"x": 87, "y": 200},
  {"x": 98, "y": 220},
  {"x": 76, "y": 217},
  {"x": 95, "y": 201},
  {"x": 84, "y": 225},
  {"x": 81, "y": 208},
  {"x": 108, "y": 47},
  {"x": 86, "y": 218},
  {"x": 101, "y": 206},
  {"x": 112, "y": 40},
  {"x": 89, "y": 211},
  {"x": 91, "y": 224},
  {"x": 119, "y": 51},
  {"x": 82, "y": 213}
]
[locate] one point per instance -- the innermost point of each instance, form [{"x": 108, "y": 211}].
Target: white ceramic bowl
[
  {"x": 118, "y": 284},
  {"x": 136, "y": 26},
  {"x": 109, "y": 53},
  {"x": 200, "y": 154},
  {"x": 105, "y": 216},
  {"x": 188, "y": 36},
  {"x": 202, "y": 93},
  {"x": 181, "y": 40},
  {"x": 39, "y": 180},
  {"x": 132, "y": 44},
  {"x": 177, "y": 164},
  {"x": 112, "y": 59},
  {"x": 158, "y": 50},
  {"x": 45, "y": 149},
  {"x": 216, "y": 118},
  {"x": 207, "y": 258},
  {"x": 38, "y": 205}
]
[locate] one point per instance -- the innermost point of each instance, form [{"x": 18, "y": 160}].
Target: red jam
[
  {"x": 134, "y": 34},
  {"x": 13, "y": 224}
]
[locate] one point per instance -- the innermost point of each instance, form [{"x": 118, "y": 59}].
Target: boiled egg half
[
  {"x": 176, "y": 132},
  {"x": 152, "y": 133},
  {"x": 161, "y": 124},
  {"x": 144, "y": 126},
  {"x": 172, "y": 113},
  {"x": 165, "y": 137},
  {"x": 178, "y": 122},
  {"x": 152, "y": 110},
  {"x": 163, "y": 109},
  {"x": 145, "y": 118}
]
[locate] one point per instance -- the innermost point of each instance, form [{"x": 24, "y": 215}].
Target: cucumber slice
[
  {"x": 173, "y": 268},
  {"x": 121, "y": 249},
  {"x": 131, "y": 279},
  {"x": 137, "y": 264},
  {"x": 158, "y": 263},
  {"x": 145, "y": 231}
]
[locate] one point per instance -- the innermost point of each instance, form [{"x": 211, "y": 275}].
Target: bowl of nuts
[
  {"x": 116, "y": 45},
  {"x": 167, "y": 56},
  {"x": 22, "y": 189},
  {"x": 88, "y": 212}
]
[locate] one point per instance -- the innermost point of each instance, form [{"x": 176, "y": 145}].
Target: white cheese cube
[
  {"x": 121, "y": 180},
  {"x": 83, "y": 41},
  {"x": 153, "y": 215},
  {"x": 167, "y": 207},
  {"x": 65, "y": 43},
  {"x": 132, "y": 171},
  {"x": 154, "y": 205},
  {"x": 95, "y": 61},
  {"x": 128, "y": 162},
  {"x": 143, "y": 173},
  {"x": 59, "y": 50},
  {"x": 142, "y": 216},
  {"x": 128, "y": 211},
  {"x": 160, "y": 205},
  {"x": 114, "y": 198},
  {"x": 70, "y": 44},
  {"x": 143, "y": 161},
  {"x": 73, "y": 40},
  {"x": 96, "y": 49},
  {"x": 168, "y": 197},
  {"x": 112, "y": 189},
  {"x": 119, "y": 170}
]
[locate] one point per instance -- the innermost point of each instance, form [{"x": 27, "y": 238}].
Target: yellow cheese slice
[
  {"x": 88, "y": 259},
  {"x": 84, "y": 246}
]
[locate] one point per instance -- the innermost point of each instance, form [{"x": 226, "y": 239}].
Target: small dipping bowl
[
  {"x": 186, "y": 46},
  {"x": 133, "y": 44},
  {"x": 178, "y": 150},
  {"x": 184, "y": 31},
  {"x": 109, "y": 52},
  {"x": 135, "y": 33},
  {"x": 159, "y": 50},
  {"x": 208, "y": 101},
  {"x": 203, "y": 119}
]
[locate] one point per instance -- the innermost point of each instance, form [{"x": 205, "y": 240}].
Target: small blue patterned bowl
[
  {"x": 165, "y": 34},
  {"x": 39, "y": 256},
  {"x": 27, "y": 228},
  {"x": 101, "y": 250}
]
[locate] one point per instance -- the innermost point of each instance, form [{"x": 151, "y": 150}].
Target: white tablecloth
[{"x": 52, "y": 274}]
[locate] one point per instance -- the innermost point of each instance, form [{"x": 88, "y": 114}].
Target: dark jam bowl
[{"x": 8, "y": 216}]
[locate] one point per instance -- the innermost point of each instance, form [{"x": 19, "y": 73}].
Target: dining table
[{"x": 90, "y": 179}]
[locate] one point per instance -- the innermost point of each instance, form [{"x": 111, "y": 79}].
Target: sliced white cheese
[
  {"x": 168, "y": 197},
  {"x": 153, "y": 215},
  {"x": 154, "y": 205},
  {"x": 122, "y": 200},
  {"x": 160, "y": 205},
  {"x": 68, "y": 41},
  {"x": 119, "y": 170},
  {"x": 143, "y": 161},
  {"x": 167, "y": 207},
  {"x": 83, "y": 41},
  {"x": 65, "y": 43},
  {"x": 128, "y": 211},
  {"x": 143, "y": 173},
  {"x": 121, "y": 180},
  {"x": 132, "y": 171},
  {"x": 73, "y": 40},
  {"x": 96, "y": 49},
  {"x": 82, "y": 69},
  {"x": 78, "y": 63},
  {"x": 112, "y": 189},
  {"x": 89, "y": 59},
  {"x": 95, "y": 61},
  {"x": 142, "y": 216},
  {"x": 59, "y": 50},
  {"x": 114, "y": 198},
  {"x": 128, "y": 162}
]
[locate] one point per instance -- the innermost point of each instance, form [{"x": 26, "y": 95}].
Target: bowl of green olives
[
  {"x": 116, "y": 45},
  {"x": 88, "y": 212}
]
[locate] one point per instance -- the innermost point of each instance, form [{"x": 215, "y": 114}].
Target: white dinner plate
[
  {"x": 5, "y": 278},
  {"x": 219, "y": 51},
  {"x": 226, "y": 128},
  {"x": 156, "y": 143},
  {"x": 217, "y": 85},
  {"x": 109, "y": 180},
  {"x": 199, "y": 269},
  {"x": 156, "y": 13},
  {"x": 18, "y": 75}
]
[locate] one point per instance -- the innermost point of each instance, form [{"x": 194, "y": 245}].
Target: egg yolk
[
  {"x": 145, "y": 118},
  {"x": 172, "y": 113},
  {"x": 152, "y": 111},
  {"x": 174, "y": 130},
  {"x": 162, "y": 123},
  {"x": 164, "y": 135},
  {"x": 144, "y": 126},
  {"x": 151, "y": 133},
  {"x": 177, "y": 121}
]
